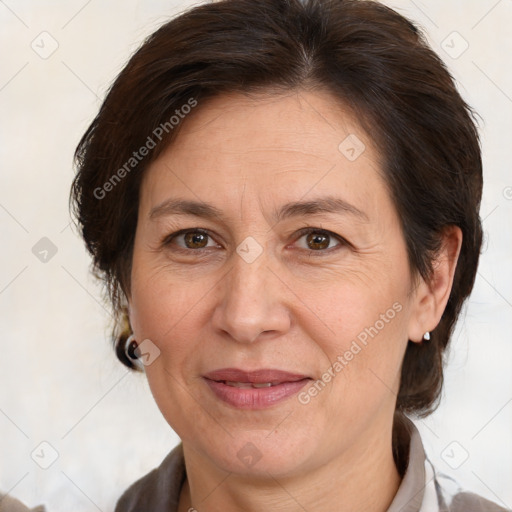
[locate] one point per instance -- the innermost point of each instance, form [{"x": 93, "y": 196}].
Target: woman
[{"x": 282, "y": 198}]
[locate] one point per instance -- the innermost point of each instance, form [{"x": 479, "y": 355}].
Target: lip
[{"x": 284, "y": 385}]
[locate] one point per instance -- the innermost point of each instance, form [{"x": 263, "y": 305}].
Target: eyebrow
[{"x": 329, "y": 204}]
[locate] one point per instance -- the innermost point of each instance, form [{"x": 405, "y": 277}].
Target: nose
[{"x": 251, "y": 302}]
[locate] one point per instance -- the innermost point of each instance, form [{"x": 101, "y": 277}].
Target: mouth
[
  {"x": 249, "y": 385},
  {"x": 254, "y": 389}
]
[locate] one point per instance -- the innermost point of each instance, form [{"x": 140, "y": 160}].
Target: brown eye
[
  {"x": 318, "y": 240},
  {"x": 195, "y": 240},
  {"x": 190, "y": 239}
]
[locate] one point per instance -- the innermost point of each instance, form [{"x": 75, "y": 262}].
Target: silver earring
[
  {"x": 130, "y": 349},
  {"x": 426, "y": 336}
]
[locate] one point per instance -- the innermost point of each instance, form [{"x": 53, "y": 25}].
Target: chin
[{"x": 255, "y": 454}]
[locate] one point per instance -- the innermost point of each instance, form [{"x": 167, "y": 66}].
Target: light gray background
[{"x": 60, "y": 381}]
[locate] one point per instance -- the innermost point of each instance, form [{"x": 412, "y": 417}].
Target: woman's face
[{"x": 270, "y": 271}]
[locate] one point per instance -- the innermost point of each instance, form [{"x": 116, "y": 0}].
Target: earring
[
  {"x": 426, "y": 336},
  {"x": 130, "y": 348}
]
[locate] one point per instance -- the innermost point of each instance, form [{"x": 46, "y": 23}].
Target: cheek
[
  {"x": 174, "y": 310},
  {"x": 366, "y": 339},
  {"x": 166, "y": 310},
  {"x": 360, "y": 304},
  {"x": 160, "y": 298}
]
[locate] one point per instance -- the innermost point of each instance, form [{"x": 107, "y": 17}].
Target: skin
[{"x": 296, "y": 307}]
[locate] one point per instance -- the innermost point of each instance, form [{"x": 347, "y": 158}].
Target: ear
[
  {"x": 126, "y": 311},
  {"x": 430, "y": 298}
]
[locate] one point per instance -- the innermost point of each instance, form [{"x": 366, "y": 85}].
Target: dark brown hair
[{"x": 372, "y": 59}]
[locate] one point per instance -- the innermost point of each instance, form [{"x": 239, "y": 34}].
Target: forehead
[
  {"x": 311, "y": 123},
  {"x": 283, "y": 146}
]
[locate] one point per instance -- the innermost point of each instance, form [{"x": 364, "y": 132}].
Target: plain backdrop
[{"x": 61, "y": 384}]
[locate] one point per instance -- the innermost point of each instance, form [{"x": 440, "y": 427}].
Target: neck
[{"x": 365, "y": 478}]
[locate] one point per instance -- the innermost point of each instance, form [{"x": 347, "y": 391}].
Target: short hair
[{"x": 371, "y": 59}]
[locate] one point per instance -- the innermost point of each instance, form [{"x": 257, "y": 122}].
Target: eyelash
[{"x": 167, "y": 240}]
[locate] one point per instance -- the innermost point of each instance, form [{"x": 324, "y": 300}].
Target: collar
[{"x": 411, "y": 493}]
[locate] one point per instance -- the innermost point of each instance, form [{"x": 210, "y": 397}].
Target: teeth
[
  {"x": 245, "y": 385},
  {"x": 262, "y": 384},
  {"x": 249, "y": 385}
]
